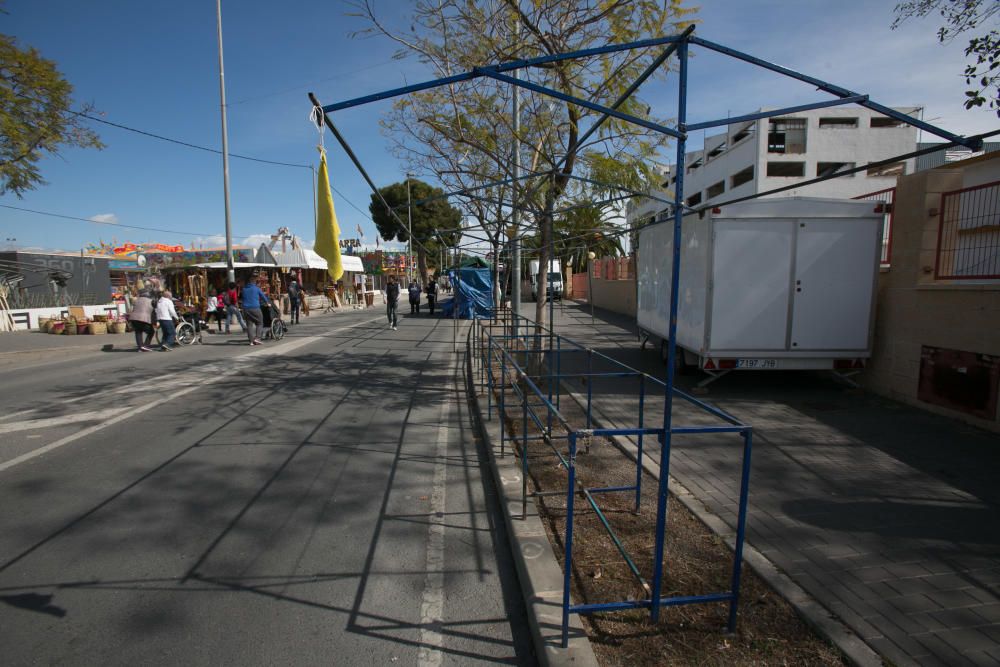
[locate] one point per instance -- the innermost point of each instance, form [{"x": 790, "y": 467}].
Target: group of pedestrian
[
  {"x": 147, "y": 313},
  {"x": 249, "y": 307},
  {"x": 414, "y": 291}
]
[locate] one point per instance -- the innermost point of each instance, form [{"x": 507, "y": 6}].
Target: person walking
[
  {"x": 432, "y": 291},
  {"x": 166, "y": 315},
  {"x": 211, "y": 309},
  {"x": 141, "y": 319},
  {"x": 253, "y": 301},
  {"x": 391, "y": 301},
  {"x": 414, "y": 290},
  {"x": 231, "y": 300},
  {"x": 220, "y": 310},
  {"x": 294, "y": 300}
]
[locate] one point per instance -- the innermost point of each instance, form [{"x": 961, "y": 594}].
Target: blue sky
[{"x": 154, "y": 66}]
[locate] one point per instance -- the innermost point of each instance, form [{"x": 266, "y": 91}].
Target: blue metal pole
[
  {"x": 568, "y": 560},
  {"x": 675, "y": 273},
  {"x": 489, "y": 393},
  {"x": 586, "y": 104},
  {"x": 558, "y": 368},
  {"x": 638, "y": 456},
  {"x": 524, "y": 452},
  {"x": 741, "y": 523},
  {"x": 503, "y": 402},
  {"x": 590, "y": 384}
]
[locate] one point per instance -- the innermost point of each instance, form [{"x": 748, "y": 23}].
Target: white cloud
[
  {"x": 107, "y": 218},
  {"x": 254, "y": 240},
  {"x": 215, "y": 241}
]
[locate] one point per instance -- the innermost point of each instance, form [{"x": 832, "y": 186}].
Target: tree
[
  {"x": 473, "y": 116},
  {"x": 434, "y": 223},
  {"x": 961, "y": 16},
  {"x": 35, "y": 116}
]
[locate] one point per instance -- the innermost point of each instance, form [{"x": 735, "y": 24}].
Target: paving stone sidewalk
[{"x": 886, "y": 514}]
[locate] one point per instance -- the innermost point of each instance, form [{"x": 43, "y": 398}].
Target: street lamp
[
  {"x": 590, "y": 284},
  {"x": 409, "y": 229}
]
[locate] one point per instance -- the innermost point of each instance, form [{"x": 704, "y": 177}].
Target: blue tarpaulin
[{"x": 473, "y": 294}]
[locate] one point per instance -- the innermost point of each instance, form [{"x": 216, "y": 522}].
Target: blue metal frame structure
[
  {"x": 541, "y": 409},
  {"x": 497, "y": 351}
]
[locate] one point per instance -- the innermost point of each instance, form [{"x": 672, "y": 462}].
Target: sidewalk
[{"x": 887, "y": 515}]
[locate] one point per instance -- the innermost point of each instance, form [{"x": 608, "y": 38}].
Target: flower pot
[
  {"x": 97, "y": 328},
  {"x": 43, "y": 323},
  {"x": 56, "y": 327},
  {"x": 117, "y": 327},
  {"x": 83, "y": 327}
]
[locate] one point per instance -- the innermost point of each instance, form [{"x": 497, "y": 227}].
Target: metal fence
[
  {"x": 968, "y": 243},
  {"x": 531, "y": 402},
  {"x": 889, "y": 197}
]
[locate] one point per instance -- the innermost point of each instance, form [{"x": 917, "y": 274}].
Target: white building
[{"x": 756, "y": 156}]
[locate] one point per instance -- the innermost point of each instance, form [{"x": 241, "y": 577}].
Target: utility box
[{"x": 767, "y": 284}]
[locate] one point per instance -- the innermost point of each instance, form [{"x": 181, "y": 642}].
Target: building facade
[{"x": 757, "y": 156}]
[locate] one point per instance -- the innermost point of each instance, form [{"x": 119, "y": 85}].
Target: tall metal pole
[
  {"x": 515, "y": 242},
  {"x": 668, "y": 400},
  {"x": 409, "y": 231},
  {"x": 225, "y": 148}
]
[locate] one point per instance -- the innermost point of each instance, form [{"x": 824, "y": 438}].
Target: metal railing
[
  {"x": 501, "y": 349},
  {"x": 889, "y": 197},
  {"x": 968, "y": 243}
]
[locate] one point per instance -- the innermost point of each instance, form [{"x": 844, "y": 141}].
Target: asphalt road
[{"x": 321, "y": 500}]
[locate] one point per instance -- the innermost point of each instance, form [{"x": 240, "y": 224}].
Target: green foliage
[
  {"x": 429, "y": 220},
  {"x": 35, "y": 116},
  {"x": 961, "y": 16}
]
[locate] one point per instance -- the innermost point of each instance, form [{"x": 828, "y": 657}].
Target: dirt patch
[{"x": 696, "y": 562}]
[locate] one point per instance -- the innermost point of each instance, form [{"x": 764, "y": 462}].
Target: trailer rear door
[
  {"x": 835, "y": 263},
  {"x": 750, "y": 284}
]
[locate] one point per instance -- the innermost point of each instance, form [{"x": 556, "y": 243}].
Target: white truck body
[
  {"x": 555, "y": 270},
  {"x": 766, "y": 284}
]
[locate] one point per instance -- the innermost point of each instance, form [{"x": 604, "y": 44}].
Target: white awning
[{"x": 352, "y": 263}]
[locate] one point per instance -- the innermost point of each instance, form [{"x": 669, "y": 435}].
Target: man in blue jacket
[{"x": 253, "y": 300}]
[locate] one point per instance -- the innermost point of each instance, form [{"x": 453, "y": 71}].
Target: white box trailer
[{"x": 767, "y": 284}]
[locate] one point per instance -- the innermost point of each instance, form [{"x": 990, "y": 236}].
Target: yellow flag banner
[{"x": 327, "y": 243}]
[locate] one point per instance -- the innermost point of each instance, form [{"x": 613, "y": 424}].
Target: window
[
  {"x": 838, "y": 123},
  {"x": 741, "y": 177},
  {"x": 694, "y": 165},
  {"x": 717, "y": 151},
  {"x": 786, "y": 135},
  {"x": 885, "y": 121},
  {"x": 743, "y": 133},
  {"x": 786, "y": 169},
  {"x": 716, "y": 189},
  {"x": 694, "y": 199},
  {"x": 829, "y": 168},
  {"x": 894, "y": 169}
]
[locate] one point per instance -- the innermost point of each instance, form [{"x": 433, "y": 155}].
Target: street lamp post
[
  {"x": 225, "y": 149},
  {"x": 409, "y": 230},
  {"x": 590, "y": 284}
]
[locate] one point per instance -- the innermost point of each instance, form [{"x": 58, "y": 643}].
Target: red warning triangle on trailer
[{"x": 709, "y": 365}]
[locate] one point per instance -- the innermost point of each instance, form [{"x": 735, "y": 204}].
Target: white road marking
[
  {"x": 198, "y": 379},
  {"x": 31, "y": 424},
  {"x": 432, "y": 606}
]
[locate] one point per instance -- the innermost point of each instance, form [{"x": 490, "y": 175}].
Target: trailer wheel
[{"x": 681, "y": 366}]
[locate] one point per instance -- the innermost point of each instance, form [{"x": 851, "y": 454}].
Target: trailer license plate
[{"x": 756, "y": 363}]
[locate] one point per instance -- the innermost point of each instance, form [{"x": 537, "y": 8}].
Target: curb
[
  {"x": 538, "y": 571},
  {"x": 854, "y": 649}
]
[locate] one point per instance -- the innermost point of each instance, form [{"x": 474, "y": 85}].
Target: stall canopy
[
  {"x": 236, "y": 265},
  {"x": 300, "y": 258},
  {"x": 303, "y": 258}
]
